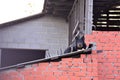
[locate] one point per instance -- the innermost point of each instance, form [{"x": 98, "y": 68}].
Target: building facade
[{"x": 102, "y": 64}]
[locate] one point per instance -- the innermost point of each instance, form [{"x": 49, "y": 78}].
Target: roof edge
[{"x": 17, "y": 21}]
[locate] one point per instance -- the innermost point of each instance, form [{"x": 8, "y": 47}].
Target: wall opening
[
  {"x": 11, "y": 57},
  {"x": 106, "y": 15}
]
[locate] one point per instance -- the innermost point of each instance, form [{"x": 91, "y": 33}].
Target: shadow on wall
[{"x": 15, "y": 56}]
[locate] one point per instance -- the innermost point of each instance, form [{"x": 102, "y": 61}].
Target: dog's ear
[
  {"x": 83, "y": 38},
  {"x": 81, "y": 33}
]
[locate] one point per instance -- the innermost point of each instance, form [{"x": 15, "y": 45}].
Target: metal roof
[{"x": 63, "y": 7}]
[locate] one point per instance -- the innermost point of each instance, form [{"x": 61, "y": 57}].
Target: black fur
[{"x": 79, "y": 43}]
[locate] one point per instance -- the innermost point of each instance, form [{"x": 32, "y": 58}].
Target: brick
[
  {"x": 48, "y": 73},
  {"x": 89, "y": 64},
  {"x": 58, "y": 73},
  {"x": 65, "y": 73},
  {"x": 94, "y": 56},
  {"x": 64, "y": 68},
  {"x": 50, "y": 78},
  {"x": 83, "y": 56},
  {"x": 95, "y": 69},
  {"x": 74, "y": 78},
  {"x": 80, "y": 73},
  {"x": 43, "y": 64},
  {"x": 115, "y": 72},
  {"x": 83, "y": 65},
  {"x": 110, "y": 77},
  {"x": 67, "y": 59},
  {"x": 89, "y": 74},
  {"x": 94, "y": 64},
  {"x": 117, "y": 78},
  {"x": 75, "y": 69},
  {"x": 107, "y": 48},
  {"x": 87, "y": 60},
  {"x": 13, "y": 73},
  {"x": 17, "y": 78},
  {"x": 101, "y": 60},
  {"x": 40, "y": 68},
  {"x": 110, "y": 56},
  {"x": 70, "y": 64},
  {"x": 75, "y": 64},
  {"x": 83, "y": 69},
  {"x": 118, "y": 68},
  {"x": 110, "y": 68},
  {"x": 89, "y": 69},
  {"x": 116, "y": 47},
  {"x": 89, "y": 56},
  {"x": 111, "y": 60},
  {"x": 26, "y": 71},
  {"x": 108, "y": 72},
  {"x": 70, "y": 73},
  {"x": 29, "y": 77},
  {"x": 100, "y": 72},
  {"x": 107, "y": 64},
  {"x": 96, "y": 78},
  {"x": 37, "y": 77},
  {"x": 86, "y": 78},
  {"x": 36, "y": 72},
  {"x": 64, "y": 64},
  {"x": 52, "y": 68},
  {"x": 118, "y": 56},
  {"x": 94, "y": 73},
  {"x": 79, "y": 60},
  {"x": 54, "y": 63},
  {"x": 63, "y": 78},
  {"x": 101, "y": 77},
  {"x": 35, "y": 65},
  {"x": 103, "y": 39},
  {"x": 99, "y": 47}
]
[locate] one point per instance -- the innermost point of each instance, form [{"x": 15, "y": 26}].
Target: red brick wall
[
  {"x": 83, "y": 68},
  {"x": 109, "y": 59},
  {"x": 96, "y": 66}
]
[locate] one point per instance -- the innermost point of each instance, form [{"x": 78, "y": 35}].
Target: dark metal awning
[
  {"x": 59, "y": 8},
  {"x": 62, "y": 8}
]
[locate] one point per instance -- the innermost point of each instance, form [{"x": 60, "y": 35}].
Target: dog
[{"x": 77, "y": 44}]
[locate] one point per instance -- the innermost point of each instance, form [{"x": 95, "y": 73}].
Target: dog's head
[{"x": 80, "y": 42}]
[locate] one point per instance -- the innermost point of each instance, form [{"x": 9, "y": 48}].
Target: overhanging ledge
[{"x": 22, "y": 65}]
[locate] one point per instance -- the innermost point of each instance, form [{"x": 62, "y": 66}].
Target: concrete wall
[{"x": 43, "y": 33}]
